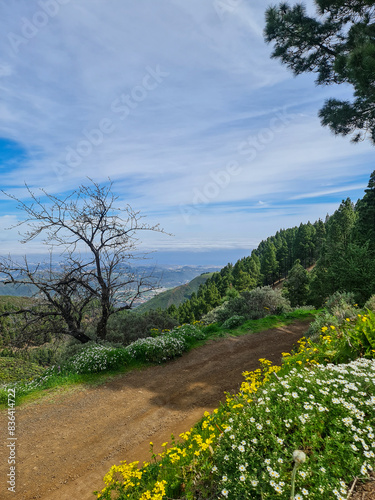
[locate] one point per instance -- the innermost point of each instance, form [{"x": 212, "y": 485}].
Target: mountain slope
[{"x": 175, "y": 295}]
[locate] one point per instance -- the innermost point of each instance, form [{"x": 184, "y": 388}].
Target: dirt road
[{"x": 68, "y": 441}]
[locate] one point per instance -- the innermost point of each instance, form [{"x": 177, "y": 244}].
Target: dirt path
[{"x": 66, "y": 443}]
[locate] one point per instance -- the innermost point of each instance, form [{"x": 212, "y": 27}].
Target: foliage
[
  {"x": 247, "y": 445},
  {"x": 351, "y": 339},
  {"x": 340, "y": 301},
  {"x": 255, "y": 304},
  {"x": 128, "y": 326},
  {"x": 321, "y": 320},
  {"x": 233, "y": 322},
  {"x": 296, "y": 288},
  {"x": 346, "y": 261},
  {"x": 370, "y": 304},
  {"x": 337, "y": 45},
  {"x": 97, "y": 358},
  {"x": 174, "y": 296},
  {"x": 12, "y": 369}
]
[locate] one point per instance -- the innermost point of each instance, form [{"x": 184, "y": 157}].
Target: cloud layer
[{"x": 181, "y": 106}]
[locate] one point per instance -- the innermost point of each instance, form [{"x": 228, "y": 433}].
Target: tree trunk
[{"x": 82, "y": 337}]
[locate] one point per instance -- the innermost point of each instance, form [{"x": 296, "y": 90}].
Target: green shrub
[
  {"x": 321, "y": 320},
  {"x": 128, "y": 326},
  {"x": 233, "y": 322},
  {"x": 255, "y": 304},
  {"x": 214, "y": 315},
  {"x": 13, "y": 369},
  {"x": 370, "y": 304},
  {"x": 341, "y": 305}
]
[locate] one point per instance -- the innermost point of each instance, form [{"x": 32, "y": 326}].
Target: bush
[
  {"x": 190, "y": 333},
  {"x": 128, "y": 326},
  {"x": 255, "y": 304},
  {"x": 370, "y": 304},
  {"x": 321, "y": 320},
  {"x": 214, "y": 315},
  {"x": 157, "y": 350},
  {"x": 96, "y": 358},
  {"x": 341, "y": 304},
  {"x": 339, "y": 307},
  {"x": 233, "y": 322}
]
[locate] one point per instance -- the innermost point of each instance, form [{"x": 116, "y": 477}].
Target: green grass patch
[
  {"x": 12, "y": 369},
  {"x": 274, "y": 321}
]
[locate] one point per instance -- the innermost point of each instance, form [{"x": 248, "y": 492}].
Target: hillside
[{"x": 175, "y": 295}]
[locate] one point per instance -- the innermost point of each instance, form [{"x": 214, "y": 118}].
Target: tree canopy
[{"x": 338, "y": 45}]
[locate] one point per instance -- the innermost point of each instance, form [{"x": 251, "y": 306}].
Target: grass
[
  {"x": 274, "y": 321},
  {"x": 12, "y": 369}
]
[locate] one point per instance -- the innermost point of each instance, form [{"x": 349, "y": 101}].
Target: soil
[{"x": 68, "y": 440}]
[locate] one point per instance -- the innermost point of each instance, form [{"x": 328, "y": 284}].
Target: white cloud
[{"x": 81, "y": 77}]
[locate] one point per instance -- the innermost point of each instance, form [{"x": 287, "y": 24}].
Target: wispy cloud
[{"x": 166, "y": 99}]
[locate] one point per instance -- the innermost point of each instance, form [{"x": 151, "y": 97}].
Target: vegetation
[
  {"x": 85, "y": 363},
  {"x": 174, "y": 296},
  {"x": 308, "y": 431},
  {"x": 92, "y": 279},
  {"x": 309, "y": 262},
  {"x": 13, "y": 369},
  {"x": 338, "y": 45}
]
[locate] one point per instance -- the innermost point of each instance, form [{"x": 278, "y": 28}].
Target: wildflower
[
  {"x": 242, "y": 478},
  {"x": 299, "y": 456},
  {"x": 224, "y": 492},
  {"x": 224, "y": 478},
  {"x": 242, "y": 468}
]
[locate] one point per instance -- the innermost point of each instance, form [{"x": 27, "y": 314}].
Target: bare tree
[{"x": 91, "y": 278}]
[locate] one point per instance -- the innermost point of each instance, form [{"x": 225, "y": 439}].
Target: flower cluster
[
  {"x": 97, "y": 358},
  {"x": 328, "y": 411}
]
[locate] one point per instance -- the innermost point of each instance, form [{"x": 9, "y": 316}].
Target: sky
[{"x": 180, "y": 105}]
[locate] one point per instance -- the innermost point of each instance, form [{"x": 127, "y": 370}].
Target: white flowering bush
[
  {"x": 97, "y": 358},
  {"x": 166, "y": 346},
  {"x": 157, "y": 349},
  {"x": 328, "y": 412},
  {"x": 189, "y": 332}
]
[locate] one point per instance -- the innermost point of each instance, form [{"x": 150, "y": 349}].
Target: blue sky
[{"x": 179, "y": 103}]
